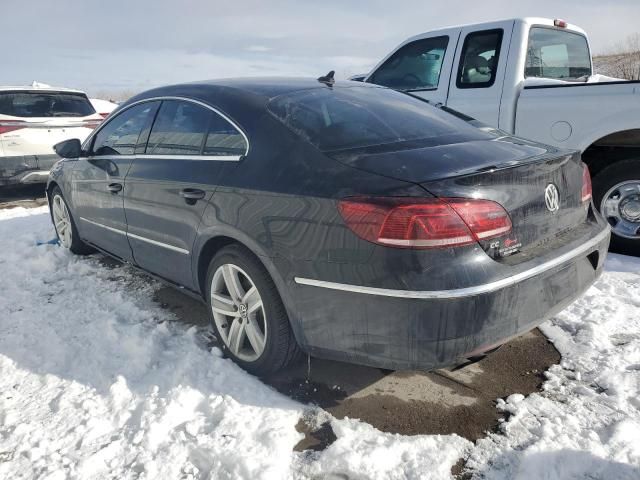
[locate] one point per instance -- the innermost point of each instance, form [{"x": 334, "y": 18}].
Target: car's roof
[
  {"x": 266, "y": 87},
  {"x": 274, "y": 86}
]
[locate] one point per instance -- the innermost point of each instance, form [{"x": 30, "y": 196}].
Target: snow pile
[
  {"x": 362, "y": 452},
  {"x": 96, "y": 381},
  {"x": 586, "y": 422}
]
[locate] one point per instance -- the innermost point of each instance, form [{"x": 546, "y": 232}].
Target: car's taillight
[
  {"x": 11, "y": 125},
  {"x": 91, "y": 123},
  {"x": 424, "y": 222},
  {"x": 586, "y": 184}
]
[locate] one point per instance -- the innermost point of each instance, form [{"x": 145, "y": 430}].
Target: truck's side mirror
[{"x": 69, "y": 148}]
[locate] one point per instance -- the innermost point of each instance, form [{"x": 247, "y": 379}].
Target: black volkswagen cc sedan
[{"x": 344, "y": 220}]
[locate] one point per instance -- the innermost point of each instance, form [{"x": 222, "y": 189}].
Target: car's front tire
[
  {"x": 616, "y": 194},
  {"x": 65, "y": 226},
  {"x": 247, "y": 313}
]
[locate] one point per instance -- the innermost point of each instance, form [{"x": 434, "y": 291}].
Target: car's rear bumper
[
  {"x": 406, "y": 329},
  {"x": 24, "y": 169}
]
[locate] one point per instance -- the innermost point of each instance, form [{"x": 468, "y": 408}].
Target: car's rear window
[
  {"x": 356, "y": 117},
  {"x": 45, "y": 104}
]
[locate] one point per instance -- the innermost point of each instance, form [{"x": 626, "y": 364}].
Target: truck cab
[{"x": 519, "y": 75}]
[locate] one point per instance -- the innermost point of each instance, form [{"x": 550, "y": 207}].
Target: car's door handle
[
  {"x": 192, "y": 193},
  {"x": 115, "y": 187}
]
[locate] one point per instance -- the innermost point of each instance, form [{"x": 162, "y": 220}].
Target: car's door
[
  {"x": 421, "y": 65},
  {"x": 478, "y": 75},
  {"x": 98, "y": 178},
  {"x": 167, "y": 188}
]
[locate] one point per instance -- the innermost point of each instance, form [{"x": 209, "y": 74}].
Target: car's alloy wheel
[
  {"x": 239, "y": 313},
  {"x": 247, "y": 313},
  {"x": 64, "y": 225},
  {"x": 62, "y": 221}
]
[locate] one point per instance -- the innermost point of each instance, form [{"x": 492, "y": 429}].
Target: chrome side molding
[
  {"x": 462, "y": 292},
  {"x": 137, "y": 237}
]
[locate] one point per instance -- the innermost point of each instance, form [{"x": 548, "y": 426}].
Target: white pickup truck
[{"x": 533, "y": 77}]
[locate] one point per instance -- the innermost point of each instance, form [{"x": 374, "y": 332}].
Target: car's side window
[
  {"x": 119, "y": 136},
  {"x": 415, "y": 66},
  {"x": 180, "y": 129},
  {"x": 223, "y": 139},
  {"x": 479, "y": 59}
]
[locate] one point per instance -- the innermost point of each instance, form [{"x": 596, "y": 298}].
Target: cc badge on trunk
[{"x": 551, "y": 198}]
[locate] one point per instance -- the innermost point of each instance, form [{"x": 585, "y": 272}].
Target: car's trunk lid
[
  {"x": 543, "y": 199},
  {"x": 512, "y": 172},
  {"x": 441, "y": 157}
]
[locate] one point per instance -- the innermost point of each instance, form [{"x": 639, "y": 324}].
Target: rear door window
[
  {"x": 223, "y": 139},
  {"x": 185, "y": 128},
  {"x": 415, "y": 66},
  {"x": 119, "y": 136},
  {"x": 557, "y": 54},
  {"x": 180, "y": 129},
  {"x": 479, "y": 59},
  {"x": 30, "y": 104}
]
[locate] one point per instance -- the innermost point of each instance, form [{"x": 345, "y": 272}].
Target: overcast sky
[{"x": 108, "y": 46}]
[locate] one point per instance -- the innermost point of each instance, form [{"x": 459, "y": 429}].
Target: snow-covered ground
[{"x": 97, "y": 381}]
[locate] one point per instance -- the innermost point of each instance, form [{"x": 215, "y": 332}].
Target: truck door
[
  {"x": 478, "y": 75},
  {"x": 421, "y": 65}
]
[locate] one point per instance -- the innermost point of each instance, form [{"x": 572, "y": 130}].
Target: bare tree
[{"x": 623, "y": 61}]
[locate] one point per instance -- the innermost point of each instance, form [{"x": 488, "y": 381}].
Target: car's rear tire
[
  {"x": 247, "y": 313},
  {"x": 616, "y": 194},
  {"x": 65, "y": 226}
]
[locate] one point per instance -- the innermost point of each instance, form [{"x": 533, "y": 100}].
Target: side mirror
[
  {"x": 69, "y": 148},
  {"x": 358, "y": 78}
]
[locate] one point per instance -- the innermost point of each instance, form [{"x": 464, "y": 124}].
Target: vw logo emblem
[
  {"x": 551, "y": 198},
  {"x": 243, "y": 310}
]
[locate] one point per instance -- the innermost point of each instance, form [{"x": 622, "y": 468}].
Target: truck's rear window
[
  {"x": 356, "y": 117},
  {"x": 45, "y": 104},
  {"x": 557, "y": 54}
]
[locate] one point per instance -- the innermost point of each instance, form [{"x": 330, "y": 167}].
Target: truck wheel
[{"x": 616, "y": 193}]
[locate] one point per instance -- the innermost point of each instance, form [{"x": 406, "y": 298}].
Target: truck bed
[{"x": 572, "y": 115}]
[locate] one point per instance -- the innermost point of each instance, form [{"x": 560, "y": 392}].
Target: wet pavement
[{"x": 27, "y": 196}]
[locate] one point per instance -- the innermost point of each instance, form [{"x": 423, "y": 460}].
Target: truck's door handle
[
  {"x": 115, "y": 187},
  {"x": 192, "y": 193}
]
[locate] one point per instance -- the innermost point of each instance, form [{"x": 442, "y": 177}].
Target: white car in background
[
  {"x": 103, "y": 107},
  {"x": 32, "y": 120}
]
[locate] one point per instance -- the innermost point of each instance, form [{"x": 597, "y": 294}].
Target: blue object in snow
[{"x": 53, "y": 241}]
